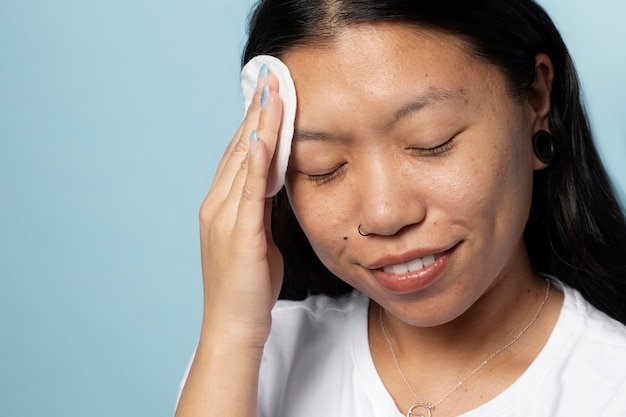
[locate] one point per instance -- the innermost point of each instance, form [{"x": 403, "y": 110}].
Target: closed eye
[
  {"x": 327, "y": 176},
  {"x": 436, "y": 150}
]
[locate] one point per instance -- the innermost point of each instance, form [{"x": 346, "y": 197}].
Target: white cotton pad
[{"x": 287, "y": 93}]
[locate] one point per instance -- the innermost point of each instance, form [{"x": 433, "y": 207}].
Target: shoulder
[
  {"x": 592, "y": 328},
  {"x": 590, "y": 352},
  {"x": 580, "y": 371},
  {"x": 589, "y": 357},
  {"x": 297, "y": 322},
  {"x": 311, "y": 342}
]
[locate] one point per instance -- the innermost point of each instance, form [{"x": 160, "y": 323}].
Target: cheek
[
  {"x": 324, "y": 218},
  {"x": 488, "y": 184},
  {"x": 499, "y": 189}
]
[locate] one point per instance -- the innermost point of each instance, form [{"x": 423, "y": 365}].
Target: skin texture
[
  {"x": 402, "y": 131},
  {"x": 241, "y": 270},
  {"x": 472, "y": 194}
]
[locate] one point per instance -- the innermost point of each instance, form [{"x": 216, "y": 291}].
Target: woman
[{"x": 442, "y": 167}]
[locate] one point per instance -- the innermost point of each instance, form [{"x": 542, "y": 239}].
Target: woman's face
[{"x": 403, "y": 132}]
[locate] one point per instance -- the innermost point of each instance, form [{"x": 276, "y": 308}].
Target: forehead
[
  {"x": 371, "y": 47},
  {"x": 373, "y": 66}
]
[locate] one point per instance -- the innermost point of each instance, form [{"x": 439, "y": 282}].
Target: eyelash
[
  {"x": 325, "y": 178},
  {"x": 437, "y": 150},
  {"x": 321, "y": 179}
]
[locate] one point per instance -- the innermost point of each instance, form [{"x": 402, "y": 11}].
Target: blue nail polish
[
  {"x": 262, "y": 77},
  {"x": 265, "y": 96},
  {"x": 263, "y": 72},
  {"x": 254, "y": 139}
]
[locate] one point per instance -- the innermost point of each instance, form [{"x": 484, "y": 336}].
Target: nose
[{"x": 390, "y": 196}]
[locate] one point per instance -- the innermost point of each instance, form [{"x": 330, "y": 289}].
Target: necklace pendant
[{"x": 420, "y": 410}]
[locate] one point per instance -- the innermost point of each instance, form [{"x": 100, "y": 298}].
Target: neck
[
  {"x": 445, "y": 354},
  {"x": 505, "y": 307}
]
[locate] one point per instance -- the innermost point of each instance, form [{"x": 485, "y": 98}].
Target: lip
[
  {"x": 409, "y": 256},
  {"x": 411, "y": 281}
]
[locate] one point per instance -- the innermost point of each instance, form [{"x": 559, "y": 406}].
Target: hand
[{"x": 242, "y": 268}]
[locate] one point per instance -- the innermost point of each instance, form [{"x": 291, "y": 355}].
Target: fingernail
[
  {"x": 265, "y": 96},
  {"x": 254, "y": 140},
  {"x": 262, "y": 76}
]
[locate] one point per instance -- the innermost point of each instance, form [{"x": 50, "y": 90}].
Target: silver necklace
[{"x": 418, "y": 409}]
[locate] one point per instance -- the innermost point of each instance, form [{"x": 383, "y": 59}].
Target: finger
[
  {"x": 230, "y": 149},
  {"x": 270, "y": 117},
  {"x": 238, "y": 149},
  {"x": 250, "y": 118},
  {"x": 230, "y": 205},
  {"x": 267, "y": 219},
  {"x": 259, "y": 157},
  {"x": 239, "y": 143},
  {"x": 251, "y": 212},
  {"x": 238, "y": 146}
]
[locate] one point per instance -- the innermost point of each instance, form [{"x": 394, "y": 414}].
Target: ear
[
  {"x": 538, "y": 100},
  {"x": 539, "y": 95}
]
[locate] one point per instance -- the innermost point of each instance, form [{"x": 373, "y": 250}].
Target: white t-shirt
[{"x": 317, "y": 362}]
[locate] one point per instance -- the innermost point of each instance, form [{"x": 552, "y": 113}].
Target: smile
[
  {"x": 413, "y": 275},
  {"x": 411, "y": 266}
]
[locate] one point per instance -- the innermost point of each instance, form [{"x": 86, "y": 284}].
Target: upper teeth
[{"x": 411, "y": 266}]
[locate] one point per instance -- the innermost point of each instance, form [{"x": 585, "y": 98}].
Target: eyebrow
[
  {"x": 425, "y": 99},
  {"x": 314, "y": 135},
  {"x": 421, "y": 101}
]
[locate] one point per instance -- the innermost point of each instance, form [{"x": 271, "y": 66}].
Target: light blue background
[{"x": 113, "y": 115}]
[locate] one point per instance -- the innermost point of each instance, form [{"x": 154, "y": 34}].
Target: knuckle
[
  {"x": 216, "y": 227},
  {"x": 241, "y": 146},
  {"x": 245, "y": 163},
  {"x": 206, "y": 212},
  {"x": 210, "y": 210},
  {"x": 247, "y": 194},
  {"x": 230, "y": 148}
]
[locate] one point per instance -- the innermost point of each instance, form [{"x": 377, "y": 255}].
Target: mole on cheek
[{"x": 345, "y": 238}]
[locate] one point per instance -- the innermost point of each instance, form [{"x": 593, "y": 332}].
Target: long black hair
[{"x": 576, "y": 228}]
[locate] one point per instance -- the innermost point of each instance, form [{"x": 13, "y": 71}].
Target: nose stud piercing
[{"x": 361, "y": 233}]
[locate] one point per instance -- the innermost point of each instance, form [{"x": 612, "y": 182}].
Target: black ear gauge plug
[{"x": 544, "y": 146}]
